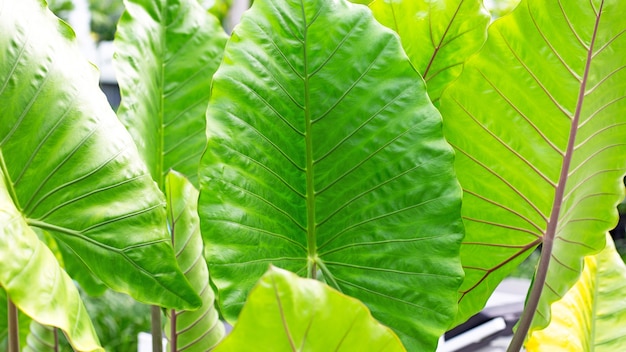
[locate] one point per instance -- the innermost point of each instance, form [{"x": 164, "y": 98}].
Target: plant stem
[
  {"x": 14, "y": 331},
  {"x": 533, "y": 298},
  {"x": 548, "y": 238},
  {"x": 173, "y": 337},
  {"x": 55, "y": 331},
  {"x": 157, "y": 335}
]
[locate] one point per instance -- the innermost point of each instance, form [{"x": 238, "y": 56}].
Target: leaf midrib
[
  {"x": 548, "y": 241},
  {"x": 310, "y": 181}
]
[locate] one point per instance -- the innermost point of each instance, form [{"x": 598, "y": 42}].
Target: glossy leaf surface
[
  {"x": 34, "y": 281},
  {"x": 166, "y": 54},
  {"x": 201, "y": 329},
  {"x": 288, "y": 313},
  {"x": 71, "y": 168},
  {"x": 438, "y": 36},
  {"x": 592, "y": 314},
  {"x": 331, "y": 165},
  {"x": 537, "y": 121}
]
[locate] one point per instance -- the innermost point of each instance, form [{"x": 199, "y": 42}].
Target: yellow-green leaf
[
  {"x": 592, "y": 315},
  {"x": 288, "y": 313}
]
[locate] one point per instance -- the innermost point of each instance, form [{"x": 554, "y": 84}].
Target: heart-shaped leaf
[
  {"x": 71, "y": 168},
  {"x": 438, "y": 36},
  {"x": 166, "y": 54},
  {"x": 591, "y": 315},
  {"x": 287, "y": 313},
  {"x": 201, "y": 329},
  {"x": 537, "y": 121},
  {"x": 325, "y": 157}
]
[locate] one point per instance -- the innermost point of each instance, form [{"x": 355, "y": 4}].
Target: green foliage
[
  {"x": 305, "y": 315},
  {"x": 164, "y": 99},
  {"x": 69, "y": 167},
  {"x": 201, "y": 329},
  {"x": 325, "y": 156},
  {"x": 164, "y": 95},
  {"x": 104, "y": 17},
  {"x": 117, "y": 319},
  {"x": 61, "y": 8},
  {"x": 331, "y": 165},
  {"x": 591, "y": 315},
  {"x": 542, "y": 162},
  {"x": 23, "y": 320},
  {"x": 438, "y": 36}
]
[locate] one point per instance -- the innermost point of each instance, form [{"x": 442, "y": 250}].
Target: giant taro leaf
[
  {"x": 592, "y": 314},
  {"x": 201, "y": 329},
  {"x": 438, "y": 36},
  {"x": 71, "y": 168},
  {"x": 325, "y": 157},
  {"x": 537, "y": 121},
  {"x": 166, "y": 54},
  {"x": 288, "y": 313}
]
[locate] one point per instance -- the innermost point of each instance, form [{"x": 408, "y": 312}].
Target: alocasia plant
[
  {"x": 537, "y": 122},
  {"x": 325, "y": 157}
]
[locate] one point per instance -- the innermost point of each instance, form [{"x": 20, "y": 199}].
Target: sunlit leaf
[
  {"x": 537, "y": 121},
  {"x": 592, "y": 314},
  {"x": 438, "y": 36},
  {"x": 201, "y": 329},
  {"x": 166, "y": 54},
  {"x": 287, "y": 313},
  {"x": 325, "y": 157},
  {"x": 70, "y": 168},
  {"x": 35, "y": 282}
]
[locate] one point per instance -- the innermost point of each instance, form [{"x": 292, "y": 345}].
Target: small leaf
[
  {"x": 201, "y": 329},
  {"x": 591, "y": 315},
  {"x": 41, "y": 339},
  {"x": 438, "y": 36},
  {"x": 287, "y": 313}
]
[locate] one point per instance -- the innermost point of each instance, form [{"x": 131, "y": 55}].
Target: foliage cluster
[{"x": 332, "y": 175}]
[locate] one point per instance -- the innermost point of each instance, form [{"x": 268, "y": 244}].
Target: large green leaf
[
  {"x": 438, "y": 36},
  {"x": 201, "y": 329},
  {"x": 592, "y": 314},
  {"x": 325, "y": 157},
  {"x": 287, "y": 313},
  {"x": 537, "y": 121},
  {"x": 166, "y": 54},
  {"x": 71, "y": 168},
  {"x": 35, "y": 282}
]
